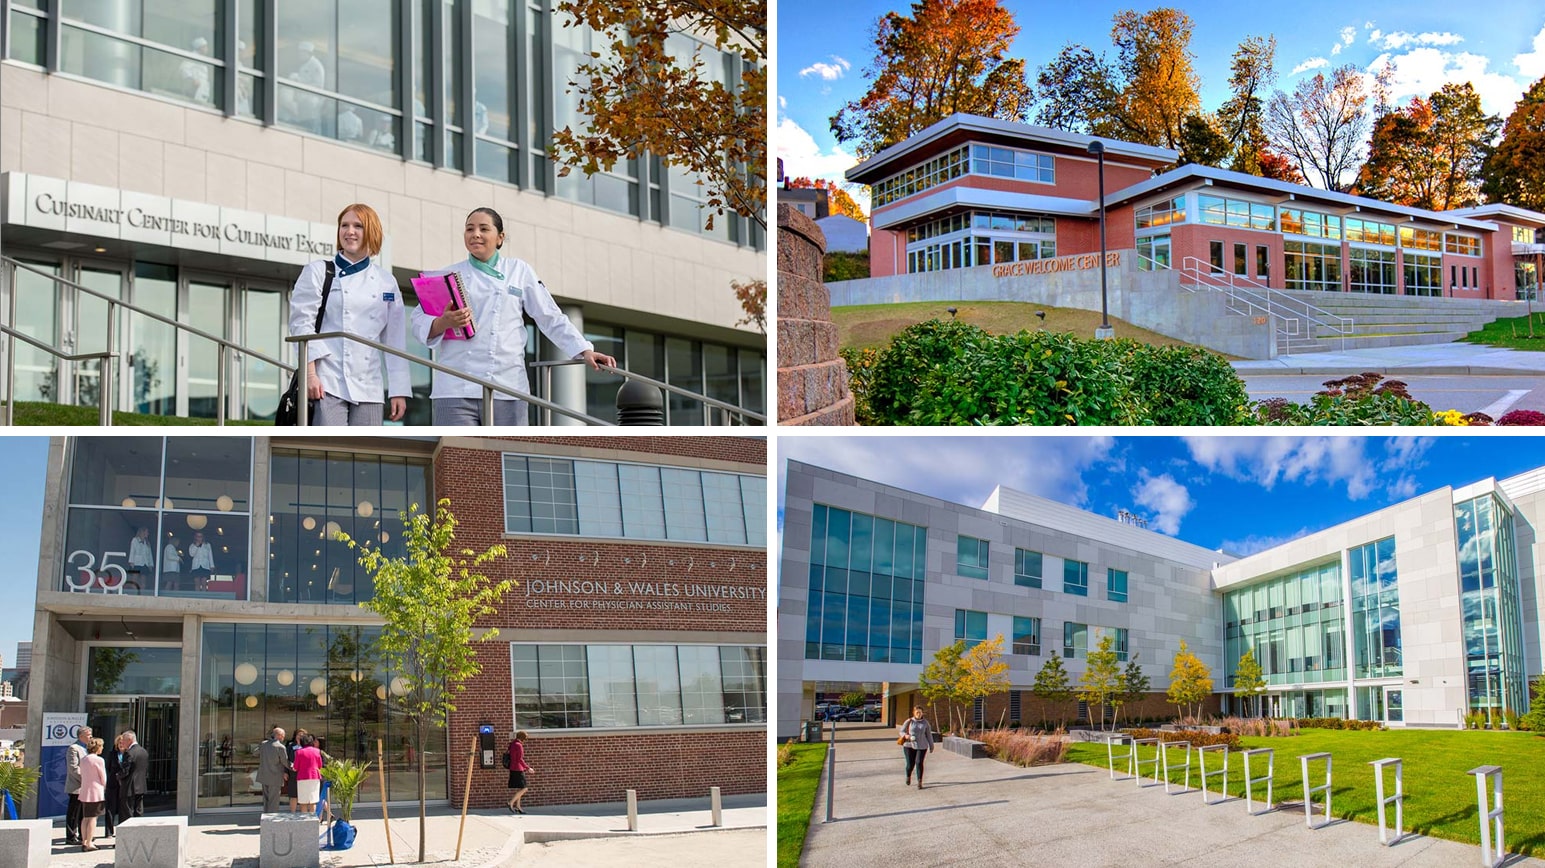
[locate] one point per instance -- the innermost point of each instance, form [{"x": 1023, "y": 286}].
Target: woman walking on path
[
  {"x": 916, "y": 743},
  {"x": 518, "y": 769}
]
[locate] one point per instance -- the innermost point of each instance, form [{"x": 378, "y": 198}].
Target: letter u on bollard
[
  {"x": 1398, "y": 799},
  {"x": 1493, "y": 852}
]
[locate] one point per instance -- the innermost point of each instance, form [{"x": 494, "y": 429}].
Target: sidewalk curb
[
  {"x": 512, "y": 847},
  {"x": 1411, "y": 371}
]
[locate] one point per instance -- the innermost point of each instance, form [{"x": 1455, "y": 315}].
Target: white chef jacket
[
  {"x": 497, "y": 352},
  {"x": 171, "y": 559},
  {"x": 140, "y": 553},
  {"x": 201, "y": 557},
  {"x": 366, "y": 303}
]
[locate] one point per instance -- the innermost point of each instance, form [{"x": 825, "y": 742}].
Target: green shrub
[
  {"x": 1185, "y": 386},
  {"x": 1196, "y": 737},
  {"x": 841, "y": 265},
  {"x": 1534, "y": 721},
  {"x": 1361, "y": 399},
  {"x": 861, "y": 364},
  {"x": 1337, "y": 723},
  {"x": 17, "y": 780}
]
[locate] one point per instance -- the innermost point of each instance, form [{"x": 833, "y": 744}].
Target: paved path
[
  {"x": 1455, "y": 358},
  {"x": 575, "y": 835},
  {"x": 985, "y": 813}
]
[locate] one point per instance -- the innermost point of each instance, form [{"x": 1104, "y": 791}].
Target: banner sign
[{"x": 59, "y": 732}]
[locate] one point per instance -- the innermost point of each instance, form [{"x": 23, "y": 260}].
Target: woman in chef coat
[
  {"x": 343, "y": 376},
  {"x": 498, "y": 289}
]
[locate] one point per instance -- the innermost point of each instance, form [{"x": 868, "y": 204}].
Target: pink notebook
[{"x": 439, "y": 293}]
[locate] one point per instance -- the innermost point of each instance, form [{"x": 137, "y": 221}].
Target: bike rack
[
  {"x": 1493, "y": 854},
  {"x": 1185, "y": 749},
  {"x": 1250, "y": 782},
  {"x": 1110, "y": 751},
  {"x": 1201, "y": 762},
  {"x": 1398, "y": 799},
  {"x": 1309, "y": 791},
  {"x": 1135, "y": 767}
]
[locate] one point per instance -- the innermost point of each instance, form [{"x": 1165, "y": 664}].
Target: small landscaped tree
[
  {"x": 429, "y": 598},
  {"x": 1249, "y": 680},
  {"x": 1134, "y": 684},
  {"x": 1051, "y": 685},
  {"x": 853, "y": 698},
  {"x": 1190, "y": 682},
  {"x": 1102, "y": 681},
  {"x": 984, "y": 672},
  {"x": 1534, "y": 721},
  {"x": 940, "y": 679}
]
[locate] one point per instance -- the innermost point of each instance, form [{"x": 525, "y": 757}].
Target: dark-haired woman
[
  {"x": 344, "y": 377},
  {"x": 499, "y": 289},
  {"x": 518, "y": 771}
]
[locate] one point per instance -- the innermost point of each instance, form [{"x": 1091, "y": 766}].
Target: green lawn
[
  {"x": 1511, "y": 332},
  {"x": 40, "y": 413},
  {"x": 873, "y": 325},
  {"x": 1440, "y": 797},
  {"x": 797, "y": 782}
]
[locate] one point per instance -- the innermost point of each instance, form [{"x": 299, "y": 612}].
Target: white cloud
[
  {"x": 1532, "y": 64},
  {"x": 1251, "y": 544},
  {"x": 828, "y": 71},
  {"x": 803, "y": 158},
  {"x": 1365, "y": 467},
  {"x": 1310, "y": 63},
  {"x": 1169, "y": 500},
  {"x": 1400, "y": 39},
  {"x": 1421, "y": 71},
  {"x": 1375, "y": 36},
  {"x": 1348, "y": 35}
]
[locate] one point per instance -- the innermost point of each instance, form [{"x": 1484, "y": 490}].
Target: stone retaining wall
[{"x": 812, "y": 377}]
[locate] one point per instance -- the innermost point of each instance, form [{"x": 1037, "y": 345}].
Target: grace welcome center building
[
  {"x": 638, "y": 628},
  {"x": 1415, "y": 614},
  {"x": 190, "y": 156}
]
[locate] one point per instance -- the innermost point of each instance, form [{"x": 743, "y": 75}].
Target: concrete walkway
[
  {"x": 493, "y": 839},
  {"x": 985, "y": 813},
  {"x": 1456, "y": 358}
]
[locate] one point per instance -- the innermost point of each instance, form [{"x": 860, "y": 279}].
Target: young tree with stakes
[
  {"x": 1051, "y": 685},
  {"x": 1249, "y": 680},
  {"x": 1102, "y": 682},
  {"x": 1134, "y": 683},
  {"x": 430, "y": 597},
  {"x": 983, "y": 671},
  {"x": 941, "y": 678},
  {"x": 1190, "y": 681}
]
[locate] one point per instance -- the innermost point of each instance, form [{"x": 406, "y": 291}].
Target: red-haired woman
[{"x": 344, "y": 377}]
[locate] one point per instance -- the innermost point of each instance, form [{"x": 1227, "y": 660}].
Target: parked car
[
  {"x": 867, "y": 714},
  {"x": 831, "y": 712}
]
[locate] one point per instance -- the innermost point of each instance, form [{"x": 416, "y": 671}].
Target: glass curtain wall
[
  {"x": 1294, "y": 623},
  {"x": 1489, "y": 595},
  {"x": 609, "y": 686},
  {"x": 866, "y": 588},
  {"x": 324, "y": 679},
  {"x": 1375, "y": 609}
]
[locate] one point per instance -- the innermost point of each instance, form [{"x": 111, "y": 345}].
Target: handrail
[
  {"x": 703, "y": 399},
  {"x": 104, "y": 409},
  {"x": 489, "y": 387},
  {"x": 1203, "y": 274}
]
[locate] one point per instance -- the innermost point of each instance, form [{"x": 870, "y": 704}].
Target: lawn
[
  {"x": 797, "y": 783},
  {"x": 872, "y": 325},
  {"x": 1512, "y": 333},
  {"x": 1440, "y": 797},
  {"x": 41, "y": 413}
]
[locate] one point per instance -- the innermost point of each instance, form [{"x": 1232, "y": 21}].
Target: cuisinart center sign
[
  {"x": 621, "y": 595},
  {"x": 103, "y": 212}
]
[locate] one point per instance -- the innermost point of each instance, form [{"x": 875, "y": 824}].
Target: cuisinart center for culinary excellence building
[
  {"x": 190, "y": 156},
  {"x": 1414, "y": 615},
  {"x": 192, "y": 588}
]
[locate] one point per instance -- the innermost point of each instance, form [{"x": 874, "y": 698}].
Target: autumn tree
[
  {"x": 1515, "y": 172},
  {"x": 1202, "y": 142},
  {"x": 1249, "y": 681},
  {"x": 752, "y": 295},
  {"x": 1190, "y": 682},
  {"x": 984, "y": 672},
  {"x": 1429, "y": 153},
  {"x": 1103, "y": 682},
  {"x": 642, "y": 95},
  {"x": 940, "y": 679},
  {"x": 429, "y": 598},
  {"x": 1051, "y": 685},
  {"x": 1242, "y": 116},
  {"x": 945, "y": 57},
  {"x": 1321, "y": 126},
  {"x": 838, "y": 201},
  {"x": 1077, "y": 91}
]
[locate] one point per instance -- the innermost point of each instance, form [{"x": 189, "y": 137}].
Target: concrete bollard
[
  {"x": 151, "y": 842},
  {"x": 716, "y": 806},
  {"x": 26, "y": 843},
  {"x": 632, "y": 810},
  {"x": 289, "y": 841}
]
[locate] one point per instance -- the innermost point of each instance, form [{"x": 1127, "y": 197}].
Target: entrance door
[
  {"x": 1394, "y": 709},
  {"x": 154, "y": 721},
  {"x": 206, "y": 311},
  {"x": 88, "y": 331},
  {"x": 152, "y": 344},
  {"x": 37, "y": 315}
]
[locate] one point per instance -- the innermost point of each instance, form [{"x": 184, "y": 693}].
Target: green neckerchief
[{"x": 489, "y": 267}]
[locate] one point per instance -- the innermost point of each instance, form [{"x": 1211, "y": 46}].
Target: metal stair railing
[
  {"x": 226, "y": 346},
  {"x": 105, "y": 397},
  {"x": 1246, "y": 297},
  {"x": 727, "y": 410}
]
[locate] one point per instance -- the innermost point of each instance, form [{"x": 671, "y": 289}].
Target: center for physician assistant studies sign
[{"x": 601, "y": 595}]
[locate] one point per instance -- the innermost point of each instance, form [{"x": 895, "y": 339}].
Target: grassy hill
[{"x": 39, "y": 413}]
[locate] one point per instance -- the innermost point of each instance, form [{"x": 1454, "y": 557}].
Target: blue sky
[
  {"x": 823, "y": 48},
  {"x": 25, "y": 460},
  {"x": 1240, "y": 494}
]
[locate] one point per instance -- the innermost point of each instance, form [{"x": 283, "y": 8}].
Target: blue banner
[{"x": 59, "y": 731}]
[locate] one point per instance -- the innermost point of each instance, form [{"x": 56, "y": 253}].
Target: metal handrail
[
  {"x": 489, "y": 387},
  {"x": 730, "y": 409},
  {"x": 104, "y": 401},
  {"x": 1203, "y": 274}
]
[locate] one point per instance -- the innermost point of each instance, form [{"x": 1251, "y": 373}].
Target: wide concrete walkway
[
  {"x": 985, "y": 813},
  {"x": 1456, "y": 358},
  {"x": 493, "y": 839}
]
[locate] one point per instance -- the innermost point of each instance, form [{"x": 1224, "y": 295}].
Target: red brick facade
[{"x": 603, "y": 591}]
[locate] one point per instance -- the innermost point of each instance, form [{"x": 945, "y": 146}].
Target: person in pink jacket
[
  {"x": 93, "y": 792},
  {"x": 518, "y": 770},
  {"x": 308, "y": 773}
]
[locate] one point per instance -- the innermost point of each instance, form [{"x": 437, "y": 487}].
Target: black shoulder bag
[{"x": 289, "y": 404}]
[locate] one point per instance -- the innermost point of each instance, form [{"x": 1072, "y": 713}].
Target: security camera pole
[{"x": 1104, "y": 332}]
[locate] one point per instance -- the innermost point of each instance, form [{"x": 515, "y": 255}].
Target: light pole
[{"x": 1104, "y": 332}]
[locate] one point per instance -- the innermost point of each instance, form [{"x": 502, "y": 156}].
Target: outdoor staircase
[{"x": 1317, "y": 322}]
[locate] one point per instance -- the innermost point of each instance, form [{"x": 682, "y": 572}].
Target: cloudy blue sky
[
  {"x": 823, "y": 49},
  {"x": 1241, "y": 494},
  {"x": 25, "y": 460}
]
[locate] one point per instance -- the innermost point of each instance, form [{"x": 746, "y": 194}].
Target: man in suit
[
  {"x": 273, "y": 767},
  {"x": 131, "y": 777},
  {"x": 73, "y": 756}
]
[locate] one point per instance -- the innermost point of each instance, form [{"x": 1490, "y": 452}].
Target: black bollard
[{"x": 639, "y": 403}]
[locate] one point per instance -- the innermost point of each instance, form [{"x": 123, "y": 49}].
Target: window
[
  {"x": 918, "y": 178},
  {"x": 1116, "y": 585},
  {"x": 1215, "y": 256},
  {"x": 1027, "y": 568},
  {"x": 1011, "y": 163},
  {"x": 1424, "y": 274},
  {"x": 1311, "y": 223},
  {"x": 970, "y": 626},
  {"x": 1523, "y": 235},
  {"x": 1412, "y": 238},
  {"x": 878, "y": 615},
  {"x": 980, "y": 238},
  {"x": 604, "y": 686},
  {"x": 1153, "y": 253},
  {"x": 1375, "y": 608},
  {"x": 1464, "y": 245},
  {"x": 1075, "y": 640},
  {"x": 1027, "y": 636},
  {"x": 568, "y": 497},
  {"x": 1371, "y": 270},
  {"x": 971, "y": 557},
  {"x": 1263, "y": 263},
  {"x": 1219, "y": 211},
  {"x": 1370, "y": 232},
  {"x": 1118, "y": 640},
  {"x": 1162, "y": 213},
  {"x": 1240, "y": 266},
  {"x": 1075, "y": 578},
  {"x": 1312, "y": 266},
  {"x": 170, "y": 49}
]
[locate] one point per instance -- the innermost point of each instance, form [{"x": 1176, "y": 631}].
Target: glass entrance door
[
  {"x": 152, "y": 344},
  {"x": 154, "y": 721},
  {"x": 89, "y": 331},
  {"x": 263, "y": 323},
  {"x": 1394, "y": 705},
  {"x": 37, "y": 316},
  {"x": 207, "y": 312}
]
